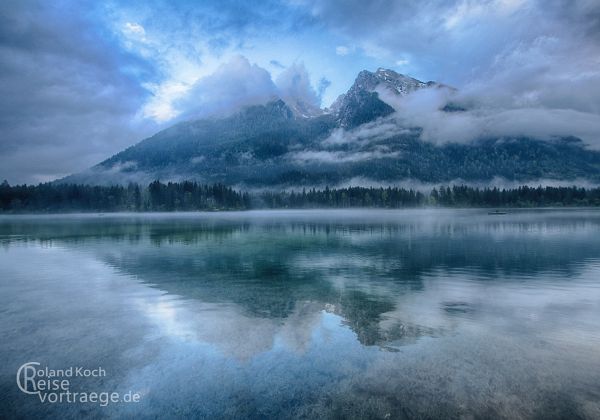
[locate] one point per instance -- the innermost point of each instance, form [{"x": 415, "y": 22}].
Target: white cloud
[
  {"x": 324, "y": 156},
  {"x": 131, "y": 28},
  {"x": 295, "y": 88},
  {"x": 234, "y": 84},
  {"x": 380, "y": 129},
  {"x": 422, "y": 108},
  {"x": 342, "y": 50},
  {"x": 161, "y": 107}
]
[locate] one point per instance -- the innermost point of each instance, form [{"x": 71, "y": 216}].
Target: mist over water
[{"x": 277, "y": 314}]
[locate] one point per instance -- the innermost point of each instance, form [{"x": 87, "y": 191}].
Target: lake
[{"x": 303, "y": 314}]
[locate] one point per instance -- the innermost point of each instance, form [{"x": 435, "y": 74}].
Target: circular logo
[{"x": 26, "y": 377}]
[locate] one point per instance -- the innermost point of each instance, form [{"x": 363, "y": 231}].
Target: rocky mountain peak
[{"x": 361, "y": 103}]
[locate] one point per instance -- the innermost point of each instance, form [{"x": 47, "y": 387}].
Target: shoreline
[{"x": 100, "y": 214}]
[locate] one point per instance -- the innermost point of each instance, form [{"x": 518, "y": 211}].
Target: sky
[{"x": 82, "y": 80}]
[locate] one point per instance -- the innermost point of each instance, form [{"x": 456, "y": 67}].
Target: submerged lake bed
[{"x": 425, "y": 313}]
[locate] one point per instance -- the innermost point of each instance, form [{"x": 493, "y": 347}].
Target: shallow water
[{"x": 383, "y": 314}]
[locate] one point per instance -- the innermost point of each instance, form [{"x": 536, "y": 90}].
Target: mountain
[
  {"x": 356, "y": 141},
  {"x": 361, "y": 103}
]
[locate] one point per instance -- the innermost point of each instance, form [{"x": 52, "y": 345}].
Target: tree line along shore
[{"x": 193, "y": 196}]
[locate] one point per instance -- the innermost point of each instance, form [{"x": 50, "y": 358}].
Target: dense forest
[
  {"x": 183, "y": 196},
  {"x": 189, "y": 196},
  {"x": 455, "y": 196}
]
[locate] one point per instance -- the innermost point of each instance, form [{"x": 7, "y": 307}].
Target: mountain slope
[{"x": 358, "y": 141}]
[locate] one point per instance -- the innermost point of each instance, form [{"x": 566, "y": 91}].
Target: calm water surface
[{"x": 380, "y": 314}]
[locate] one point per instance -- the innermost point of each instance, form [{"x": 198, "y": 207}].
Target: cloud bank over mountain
[
  {"x": 484, "y": 118},
  {"x": 238, "y": 83},
  {"x": 235, "y": 84}
]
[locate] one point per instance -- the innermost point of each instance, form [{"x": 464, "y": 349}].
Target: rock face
[
  {"x": 361, "y": 103},
  {"x": 281, "y": 145}
]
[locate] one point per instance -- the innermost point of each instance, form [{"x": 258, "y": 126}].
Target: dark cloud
[
  {"x": 456, "y": 41},
  {"x": 68, "y": 97},
  {"x": 581, "y": 15}
]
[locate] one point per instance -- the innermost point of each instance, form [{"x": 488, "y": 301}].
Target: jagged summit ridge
[
  {"x": 400, "y": 83},
  {"x": 361, "y": 103}
]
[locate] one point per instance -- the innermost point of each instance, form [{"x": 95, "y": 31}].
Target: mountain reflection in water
[{"x": 301, "y": 313}]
